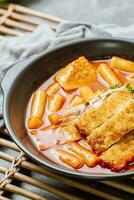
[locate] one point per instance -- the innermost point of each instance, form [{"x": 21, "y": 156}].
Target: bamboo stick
[
  {"x": 6, "y": 143},
  {"x": 23, "y": 192},
  {"x": 29, "y": 11},
  {"x": 5, "y": 156},
  {"x": 4, "y": 131},
  {"x": 11, "y": 23},
  {"x": 4, "y": 198},
  {"x": 18, "y": 25},
  {"x": 23, "y": 18},
  {"x": 119, "y": 186},
  {"x": 44, "y": 186},
  {"x": 9, "y": 31},
  {"x": 14, "y": 189},
  {"x": 2, "y": 169},
  {"x": 2, "y": 11},
  {"x": 87, "y": 188}
]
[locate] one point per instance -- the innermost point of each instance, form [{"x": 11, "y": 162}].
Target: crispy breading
[
  {"x": 76, "y": 74},
  {"x": 120, "y": 154},
  {"x": 113, "y": 129},
  {"x": 94, "y": 117}
]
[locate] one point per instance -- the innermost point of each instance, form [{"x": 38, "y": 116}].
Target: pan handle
[{"x": 12, "y": 73}]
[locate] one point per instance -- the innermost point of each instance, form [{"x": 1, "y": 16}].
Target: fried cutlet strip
[
  {"x": 113, "y": 129},
  {"x": 95, "y": 116},
  {"x": 120, "y": 154},
  {"x": 76, "y": 74}
]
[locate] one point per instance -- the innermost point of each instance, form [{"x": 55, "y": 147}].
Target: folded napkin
[{"x": 14, "y": 49}]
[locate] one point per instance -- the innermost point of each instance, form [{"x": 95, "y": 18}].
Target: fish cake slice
[
  {"x": 120, "y": 154},
  {"x": 113, "y": 129},
  {"x": 95, "y": 116},
  {"x": 76, "y": 74}
]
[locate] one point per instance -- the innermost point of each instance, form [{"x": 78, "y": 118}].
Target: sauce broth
[{"x": 53, "y": 137}]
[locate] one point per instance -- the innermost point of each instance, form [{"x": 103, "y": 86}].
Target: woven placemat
[
  {"x": 21, "y": 168},
  {"x": 17, "y": 20}
]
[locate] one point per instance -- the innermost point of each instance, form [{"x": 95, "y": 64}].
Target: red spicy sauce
[{"x": 43, "y": 139}]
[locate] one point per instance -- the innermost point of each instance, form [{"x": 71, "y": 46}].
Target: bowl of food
[{"x": 71, "y": 109}]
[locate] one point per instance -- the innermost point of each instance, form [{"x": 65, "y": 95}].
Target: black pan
[{"x": 26, "y": 76}]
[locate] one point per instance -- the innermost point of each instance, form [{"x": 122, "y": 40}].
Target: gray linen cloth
[{"x": 14, "y": 49}]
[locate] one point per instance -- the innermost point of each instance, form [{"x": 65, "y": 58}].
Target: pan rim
[{"x": 40, "y": 161}]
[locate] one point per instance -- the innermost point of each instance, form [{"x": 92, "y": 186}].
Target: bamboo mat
[
  {"x": 16, "y": 20},
  {"x": 21, "y": 168}
]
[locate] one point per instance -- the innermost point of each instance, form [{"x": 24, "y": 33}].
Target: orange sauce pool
[{"x": 52, "y": 137}]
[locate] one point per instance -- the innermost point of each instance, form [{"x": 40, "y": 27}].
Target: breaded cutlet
[
  {"x": 113, "y": 129},
  {"x": 95, "y": 116},
  {"x": 120, "y": 154}
]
